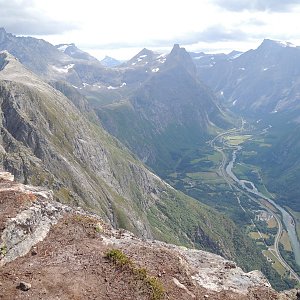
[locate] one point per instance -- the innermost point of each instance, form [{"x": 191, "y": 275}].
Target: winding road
[{"x": 225, "y": 170}]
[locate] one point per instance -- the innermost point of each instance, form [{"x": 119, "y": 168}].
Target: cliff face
[
  {"x": 46, "y": 141},
  {"x": 166, "y": 114},
  {"x": 49, "y": 250}
]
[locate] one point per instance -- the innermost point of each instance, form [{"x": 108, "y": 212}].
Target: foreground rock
[{"x": 60, "y": 253}]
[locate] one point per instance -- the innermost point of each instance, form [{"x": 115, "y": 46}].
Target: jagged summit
[
  {"x": 143, "y": 57},
  {"x": 3, "y": 35},
  {"x": 12, "y": 69},
  {"x": 179, "y": 56},
  {"x": 63, "y": 47},
  {"x": 269, "y": 44},
  {"x": 73, "y": 51},
  {"x": 108, "y": 61}
]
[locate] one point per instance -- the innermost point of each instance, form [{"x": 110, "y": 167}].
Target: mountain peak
[
  {"x": 3, "y": 34},
  {"x": 109, "y": 61},
  {"x": 267, "y": 43},
  {"x": 63, "y": 47},
  {"x": 179, "y": 55},
  {"x": 145, "y": 55},
  {"x": 145, "y": 51}
]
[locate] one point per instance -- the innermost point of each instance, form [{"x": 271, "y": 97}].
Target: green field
[
  {"x": 275, "y": 262},
  {"x": 235, "y": 140}
]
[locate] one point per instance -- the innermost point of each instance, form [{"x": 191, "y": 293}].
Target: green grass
[
  {"x": 235, "y": 140},
  {"x": 256, "y": 236},
  {"x": 152, "y": 284},
  {"x": 204, "y": 176},
  {"x": 284, "y": 240},
  {"x": 275, "y": 262}
]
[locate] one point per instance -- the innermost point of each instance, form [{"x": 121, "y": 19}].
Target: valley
[
  {"x": 245, "y": 186},
  {"x": 99, "y": 137}
]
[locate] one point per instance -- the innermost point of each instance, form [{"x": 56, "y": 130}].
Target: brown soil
[{"x": 71, "y": 264}]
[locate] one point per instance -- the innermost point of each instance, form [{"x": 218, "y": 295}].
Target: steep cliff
[
  {"x": 45, "y": 140},
  {"x": 171, "y": 112}
]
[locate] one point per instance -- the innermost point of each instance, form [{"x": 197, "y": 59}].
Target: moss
[
  {"x": 151, "y": 283},
  {"x": 118, "y": 258},
  {"x": 64, "y": 195},
  {"x": 3, "y": 250},
  {"x": 156, "y": 287}
]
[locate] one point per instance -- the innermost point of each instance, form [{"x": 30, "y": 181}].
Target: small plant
[
  {"x": 141, "y": 273},
  {"x": 156, "y": 287},
  {"x": 118, "y": 257},
  {"x": 98, "y": 227},
  {"x": 3, "y": 250},
  {"x": 151, "y": 283}
]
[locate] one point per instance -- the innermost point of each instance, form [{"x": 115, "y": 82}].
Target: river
[{"x": 286, "y": 217}]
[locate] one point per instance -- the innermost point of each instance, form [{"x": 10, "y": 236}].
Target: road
[{"x": 235, "y": 183}]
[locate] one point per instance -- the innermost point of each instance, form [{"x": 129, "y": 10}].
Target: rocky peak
[
  {"x": 180, "y": 57},
  {"x": 108, "y": 61},
  {"x": 5, "y": 58},
  {"x": 144, "y": 55},
  {"x": 272, "y": 45},
  {"x": 3, "y": 35}
]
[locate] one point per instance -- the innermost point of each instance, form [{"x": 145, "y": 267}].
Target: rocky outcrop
[{"x": 58, "y": 252}]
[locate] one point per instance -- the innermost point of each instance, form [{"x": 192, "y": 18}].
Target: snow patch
[
  {"x": 63, "y": 48},
  {"x": 286, "y": 44},
  {"x": 74, "y": 86},
  {"x": 236, "y": 56},
  {"x": 155, "y": 70},
  {"x": 234, "y": 102},
  {"x": 112, "y": 87},
  {"x": 97, "y": 86},
  {"x": 162, "y": 58},
  {"x": 142, "y": 56},
  {"x": 243, "y": 69},
  {"x": 64, "y": 69},
  {"x": 265, "y": 69},
  {"x": 123, "y": 84}
]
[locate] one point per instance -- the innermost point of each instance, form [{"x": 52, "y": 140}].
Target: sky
[{"x": 120, "y": 28}]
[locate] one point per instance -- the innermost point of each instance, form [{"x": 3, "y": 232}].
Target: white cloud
[{"x": 120, "y": 28}]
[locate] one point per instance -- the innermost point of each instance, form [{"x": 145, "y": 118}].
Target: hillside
[
  {"x": 168, "y": 114},
  {"x": 46, "y": 141},
  {"x": 258, "y": 82},
  {"x": 49, "y": 250}
]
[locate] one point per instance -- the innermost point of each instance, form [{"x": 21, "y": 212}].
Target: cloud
[
  {"x": 212, "y": 34},
  {"x": 24, "y": 18},
  {"x": 216, "y": 33},
  {"x": 257, "y": 5}
]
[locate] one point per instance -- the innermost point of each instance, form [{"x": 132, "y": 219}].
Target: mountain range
[
  {"x": 46, "y": 140},
  {"x": 97, "y": 133},
  {"x": 263, "y": 85}
]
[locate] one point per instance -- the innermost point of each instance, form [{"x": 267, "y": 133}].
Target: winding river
[{"x": 286, "y": 217}]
